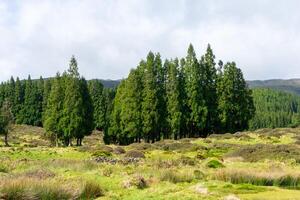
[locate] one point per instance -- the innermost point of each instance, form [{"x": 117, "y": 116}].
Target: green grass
[{"x": 251, "y": 165}]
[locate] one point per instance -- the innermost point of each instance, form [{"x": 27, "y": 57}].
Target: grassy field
[{"x": 263, "y": 164}]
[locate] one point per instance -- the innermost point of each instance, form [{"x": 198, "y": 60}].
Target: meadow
[{"x": 262, "y": 164}]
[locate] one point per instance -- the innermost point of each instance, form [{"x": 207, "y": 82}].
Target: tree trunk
[{"x": 6, "y": 140}]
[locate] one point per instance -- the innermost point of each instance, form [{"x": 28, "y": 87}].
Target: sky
[{"x": 110, "y": 37}]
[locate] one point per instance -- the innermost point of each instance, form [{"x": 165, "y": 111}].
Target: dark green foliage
[
  {"x": 175, "y": 100},
  {"x": 96, "y": 92},
  {"x": 6, "y": 119},
  {"x": 214, "y": 164},
  {"x": 235, "y": 103},
  {"x": 194, "y": 77},
  {"x": 275, "y": 109},
  {"x": 53, "y": 114},
  {"x": 77, "y": 114}
]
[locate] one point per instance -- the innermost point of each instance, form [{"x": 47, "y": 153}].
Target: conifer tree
[
  {"x": 54, "y": 110},
  {"x": 235, "y": 101},
  {"x": 150, "y": 114},
  {"x": 173, "y": 98},
  {"x": 18, "y": 100},
  {"x": 96, "y": 92},
  {"x": 87, "y": 116},
  {"x": 131, "y": 114},
  {"x": 6, "y": 119},
  {"x": 194, "y": 90},
  {"x": 46, "y": 93},
  {"x": 30, "y": 113},
  {"x": 210, "y": 90},
  {"x": 73, "y": 104},
  {"x": 115, "y": 130}
]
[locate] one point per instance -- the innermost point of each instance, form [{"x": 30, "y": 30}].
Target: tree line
[
  {"x": 177, "y": 98},
  {"x": 275, "y": 109},
  {"x": 67, "y": 106},
  {"x": 189, "y": 97}
]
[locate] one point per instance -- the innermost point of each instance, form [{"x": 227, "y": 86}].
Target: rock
[
  {"x": 201, "y": 189},
  {"x": 126, "y": 184},
  {"x": 231, "y": 197}
]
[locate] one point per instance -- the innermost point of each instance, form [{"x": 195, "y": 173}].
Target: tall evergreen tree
[
  {"x": 173, "y": 98},
  {"x": 195, "y": 94},
  {"x": 30, "y": 113},
  {"x": 150, "y": 113},
  {"x": 96, "y": 92},
  {"x": 54, "y": 110},
  {"x": 235, "y": 101},
  {"x": 6, "y": 119},
  {"x": 210, "y": 90},
  {"x": 18, "y": 100}
]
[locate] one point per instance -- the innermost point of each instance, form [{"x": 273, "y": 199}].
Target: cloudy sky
[{"x": 109, "y": 37}]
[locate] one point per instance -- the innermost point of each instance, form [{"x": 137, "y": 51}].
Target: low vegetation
[{"x": 262, "y": 164}]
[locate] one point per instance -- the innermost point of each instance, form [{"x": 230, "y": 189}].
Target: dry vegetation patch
[{"x": 255, "y": 153}]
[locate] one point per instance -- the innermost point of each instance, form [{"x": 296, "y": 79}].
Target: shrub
[
  {"x": 187, "y": 161},
  {"x": 214, "y": 164},
  {"x": 181, "y": 147},
  {"x": 102, "y": 153},
  {"x": 107, "y": 171},
  {"x": 105, "y": 148},
  {"x": 139, "y": 181},
  {"x": 134, "y": 154},
  {"x": 91, "y": 190},
  {"x": 199, "y": 174},
  {"x": 140, "y": 146},
  {"x": 119, "y": 150},
  {"x": 174, "y": 176},
  {"x": 4, "y": 168},
  {"x": 254, "y": 153}
]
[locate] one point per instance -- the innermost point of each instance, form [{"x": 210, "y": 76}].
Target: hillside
[
  {"x": 289, "y": 85},
  {"x": 262, "y": 164}
]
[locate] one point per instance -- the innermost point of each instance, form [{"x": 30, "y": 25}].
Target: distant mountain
[
  {"x": 288, "y": 85},
  {"x": 110, "y": 83}
]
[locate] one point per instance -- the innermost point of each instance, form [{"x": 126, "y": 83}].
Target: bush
[
  {"x": 187, "y": 161},
  {"x": 139, "y": 181},
  {"x": 91, "y": 190},
  {"x": 134, "y": 154},
  {"x": 105, "y": 148},
  {"x": 254, "y": 153},
  {"x": 140, "y": 146},
  {"x": 4, "y": 168},
  {"x": 199, "y": 174},
  {"x": 102, "y": 153},
  {"x": 119, "y": 150},
  {"x": 174, "y": 176},
  {"x": 214, "y": 164}
]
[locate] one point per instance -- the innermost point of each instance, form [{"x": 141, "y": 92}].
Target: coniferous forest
[{"x": 171, "y": 99}]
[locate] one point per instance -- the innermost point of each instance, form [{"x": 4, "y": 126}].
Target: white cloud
[{"x": 110, "y": 37}]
